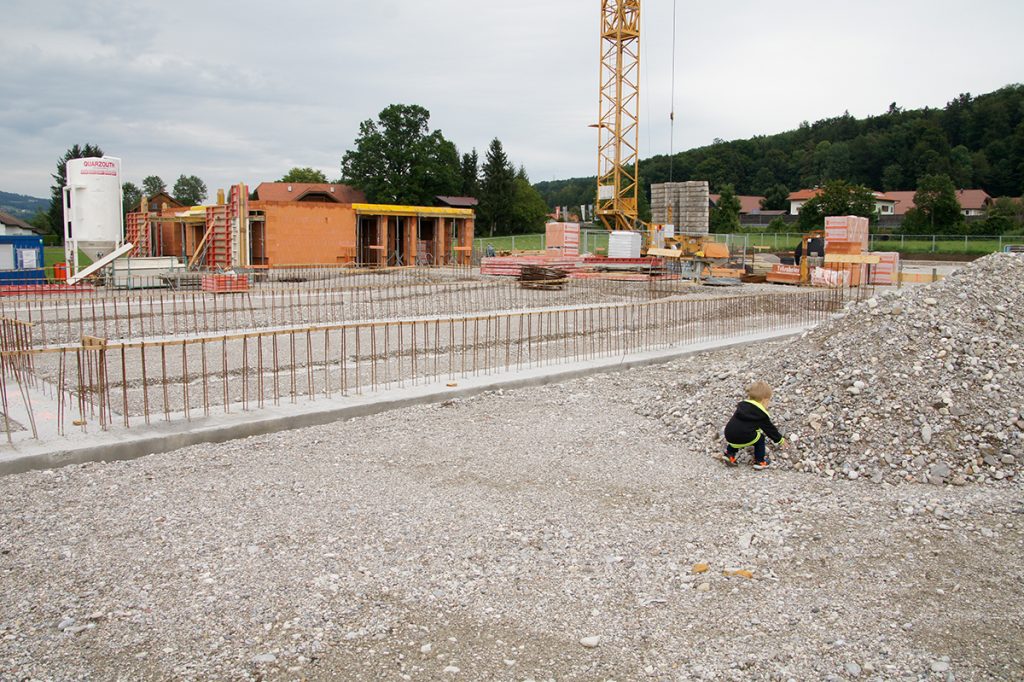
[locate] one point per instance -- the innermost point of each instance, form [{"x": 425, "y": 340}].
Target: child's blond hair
[{"x": 759, "y": 391}]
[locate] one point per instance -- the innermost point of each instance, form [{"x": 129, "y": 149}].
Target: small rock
[
  {"x": 940, "y": 666},
  {"x": 66, "y": 623},
  {"x": 853, "y": 669},
  {"x": 264, "y": 658},
  {"x": 454, "y": 670},
  {"x": 699, "y": 568},
  {"x": 926, "y": 434},
  {"x": 426, "y": 649},
  {"x": 590, "y": 642},
  {"x": 704, "y": 587}
]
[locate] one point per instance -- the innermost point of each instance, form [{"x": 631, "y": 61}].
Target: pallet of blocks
[
  {"x": 886, "y": 272},
  {"x": 512, "y": 266},
  {"x": 763, "y": 263},
  {"x": 225, "y": 284},
  {"x": 850, "y": 228}
]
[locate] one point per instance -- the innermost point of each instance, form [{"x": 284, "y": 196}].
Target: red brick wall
[{"x": 307, "y": 233}]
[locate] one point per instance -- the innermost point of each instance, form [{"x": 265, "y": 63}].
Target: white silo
[{"x": 93, "y": 214}]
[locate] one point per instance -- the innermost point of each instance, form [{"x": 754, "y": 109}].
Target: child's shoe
[
  {"x": 761, "y": 465},
  {"x": 730, "y": 460}
]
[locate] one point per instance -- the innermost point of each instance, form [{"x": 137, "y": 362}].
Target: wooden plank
[
  {"x": 192, "y": 260},
  {"x": 666, "y": 253}
]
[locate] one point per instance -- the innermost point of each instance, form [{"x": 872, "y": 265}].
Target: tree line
[
  {"x": 398, "y": 159},
  {"x": 975, "y": 142}
]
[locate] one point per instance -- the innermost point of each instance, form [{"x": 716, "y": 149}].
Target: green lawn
[{"x": 55, "y": 254}]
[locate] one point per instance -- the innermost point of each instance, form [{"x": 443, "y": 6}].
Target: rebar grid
[
  {"x": 102, "y": 383},
  {"x": 364, "y": 297}
]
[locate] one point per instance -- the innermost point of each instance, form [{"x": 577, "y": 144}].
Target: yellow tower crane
[{"x": 618, "y": 129}]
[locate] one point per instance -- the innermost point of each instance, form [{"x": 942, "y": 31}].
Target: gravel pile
[{"x": 922, "y": 384}]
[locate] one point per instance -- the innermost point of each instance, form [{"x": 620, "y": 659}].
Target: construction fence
[{"x": 99, "y": 384}]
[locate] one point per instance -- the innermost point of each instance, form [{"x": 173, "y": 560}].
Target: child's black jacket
[{"x": 748, "y": 423}]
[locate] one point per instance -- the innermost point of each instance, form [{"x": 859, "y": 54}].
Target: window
[{"x": 6, "y": 256}]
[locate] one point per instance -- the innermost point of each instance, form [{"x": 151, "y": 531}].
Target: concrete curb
[{"x": 165, "y": 437}]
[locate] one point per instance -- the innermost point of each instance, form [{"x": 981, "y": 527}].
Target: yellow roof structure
[{"x": 423, "y": 211}]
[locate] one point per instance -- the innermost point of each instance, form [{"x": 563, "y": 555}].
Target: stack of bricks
[
  {"x": 847, "y": 235},
  {"x": 221, "y": 284},
  {"x": 886, "y": 272},
  {"x": 689, "y": 202},
  {"x": 562, "y": 239}
]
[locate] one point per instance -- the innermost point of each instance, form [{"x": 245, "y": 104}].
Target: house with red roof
[
  {"x": 973, "y": 202},
  {"x": 748, "y": 203}
]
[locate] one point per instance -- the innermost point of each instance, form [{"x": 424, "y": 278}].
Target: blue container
[{"x": 21, "y": 259}]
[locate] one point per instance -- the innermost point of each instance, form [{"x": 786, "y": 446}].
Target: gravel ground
[{"x": 550, "y": 533}]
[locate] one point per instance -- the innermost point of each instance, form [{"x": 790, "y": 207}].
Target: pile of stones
[{"x": 922, "y": 384}]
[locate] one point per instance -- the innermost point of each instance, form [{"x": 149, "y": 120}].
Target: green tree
[
  {"x": 471, "y": 174},
  {"x": 131, "y": 197},
  {"x": 56, "y": 213},
  {"x": 725, "y": 216},
  {"x": 397, "y": 159},
  {"x": 152, "y": 185},
  {"x": 961, "y": 167},
  {"x": 936, "y": 209},
  {"x": 776, "y": 198},
  {"x": 497, "y": 191},
  {"x": 306, "y": 174},
  {"x": 892, "y": 178},
  {"x": 1003, "y": 215},
  {"x": 837, "y": 198},
  {"x": 528, "y": 211},
  {"x": 190, "y": 190}
]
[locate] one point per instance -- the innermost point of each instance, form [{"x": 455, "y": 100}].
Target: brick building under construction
[{"x": 289, "y": 224}]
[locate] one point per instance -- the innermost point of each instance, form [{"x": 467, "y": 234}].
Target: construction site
[{"x": 297, "y": 435}]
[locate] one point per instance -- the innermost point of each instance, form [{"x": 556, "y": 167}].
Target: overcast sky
[{"x": 243, "y": 92}]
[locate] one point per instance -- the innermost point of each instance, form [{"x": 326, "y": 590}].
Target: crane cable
[{"x": 672, "y": 112}]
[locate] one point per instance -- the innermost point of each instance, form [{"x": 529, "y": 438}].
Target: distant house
[
  {"x": 158, "y": 201},
  {"x": 800, "y": 197},
  {"x": 15, "y": 226},
  {"x": 748, "y": 204},
  {"x": 973, "y": 202},
  {"x": 309, "y": 192},
  {"x": 885, "y": 202}
]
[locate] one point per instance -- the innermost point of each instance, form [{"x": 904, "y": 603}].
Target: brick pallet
[
  {"x": 222, "y": 284},
  {"x": 512, "y": 266},
  {"x": 21, "y": 289}
]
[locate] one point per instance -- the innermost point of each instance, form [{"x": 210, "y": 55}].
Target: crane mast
[{"x": 618, "y": 127}]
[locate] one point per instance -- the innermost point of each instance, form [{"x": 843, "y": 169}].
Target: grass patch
[{"x": 55, "y": 254}]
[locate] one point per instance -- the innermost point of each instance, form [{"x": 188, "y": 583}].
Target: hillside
[
  {"x": 22, "y": 206},
  {"x": 977, "y": 141}
]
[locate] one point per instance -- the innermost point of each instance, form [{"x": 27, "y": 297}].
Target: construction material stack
[
  {"x": 562, "y": 239},
  {"x": 228, "y": 283},
  {"x": 624, "y": 244},
  {"x": 846, "y": 245}
]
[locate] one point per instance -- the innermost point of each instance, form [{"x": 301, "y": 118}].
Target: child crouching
[{"x": 750, "y": 425}]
